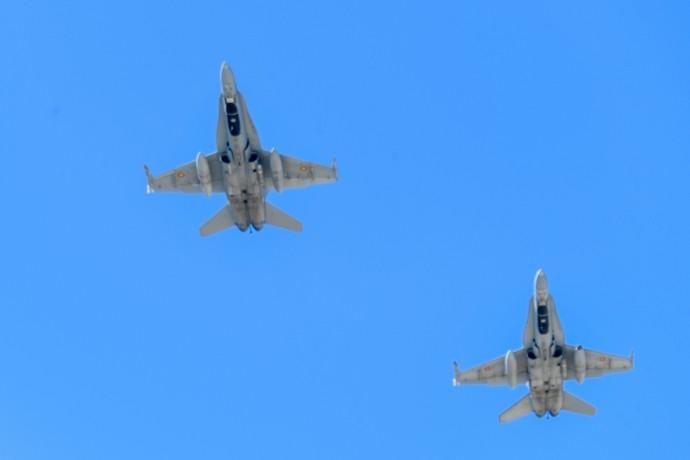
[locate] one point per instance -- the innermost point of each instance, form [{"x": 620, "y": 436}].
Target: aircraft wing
[
  {"x": 494, "y": 371},
  {"x": 185, "y": 178},
  {"x": 298, "y": 173},
  {"x": 597, "y": 363}
]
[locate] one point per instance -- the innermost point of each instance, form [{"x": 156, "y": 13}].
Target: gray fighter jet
[
  {"x": 241, "y": 169},
  {"x": 544, "y": 362}
]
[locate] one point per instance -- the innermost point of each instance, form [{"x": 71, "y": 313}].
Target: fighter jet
[
  {"x": 544, "y": 362},
  {"x": 241, "y": 169}
]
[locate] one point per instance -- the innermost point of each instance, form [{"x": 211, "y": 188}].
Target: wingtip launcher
[
  {"x": 334, "y": 167},
  {"x": 149, "y": 180},
  {"x": 457, "y": 374}
]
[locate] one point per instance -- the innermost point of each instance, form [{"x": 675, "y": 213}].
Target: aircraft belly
[
  {"x": 246, "y": 197},
  {"x": 240, "y": 212},
  {"x": 554, "y": 400},
  {"x": 536, "y": 375},
  {"x": 538, "y": 402},
  {"x": 231, "y": 178},
  {"x": 546, "y": 386},
  {"x": 257, "y": 211}
]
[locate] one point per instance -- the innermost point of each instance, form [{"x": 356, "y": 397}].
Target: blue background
[{"x": 477, "y": 142}]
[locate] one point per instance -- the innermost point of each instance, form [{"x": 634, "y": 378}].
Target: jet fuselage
[
  {"x": 242, "y": 171},
  {"x": 544, "y": 341},
  {"x": 544, "y": 363}
]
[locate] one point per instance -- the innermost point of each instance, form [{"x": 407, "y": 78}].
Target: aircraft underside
[
  {"x": 544, "y": 362},
  {"x": 241, "y": 169},
  {"x": 248, "y": 210},
  {"x": 546, "y": 385}
]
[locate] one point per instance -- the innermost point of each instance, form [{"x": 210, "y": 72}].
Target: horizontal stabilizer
[
  {"x": 222, "y": 220},
  {"x": 275, "y": 216},
  {"x": 517, "y": 410},
  {"x": 573, "y": 404}
]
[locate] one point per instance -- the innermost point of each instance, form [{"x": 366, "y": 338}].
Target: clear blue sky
[{"x": 477, "y": 142}]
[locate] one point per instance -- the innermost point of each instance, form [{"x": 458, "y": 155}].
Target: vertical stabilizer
[{"x": 517, "y": 410}]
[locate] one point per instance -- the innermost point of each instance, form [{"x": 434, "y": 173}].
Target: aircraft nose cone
[
  {"x": 227, "y": 80},
  {"x": 540, "y": 283}
]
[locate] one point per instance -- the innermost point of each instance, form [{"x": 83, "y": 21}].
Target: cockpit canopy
[
  {"x": 233, "y": 118},
  {"x": 543, "y": 319}
]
